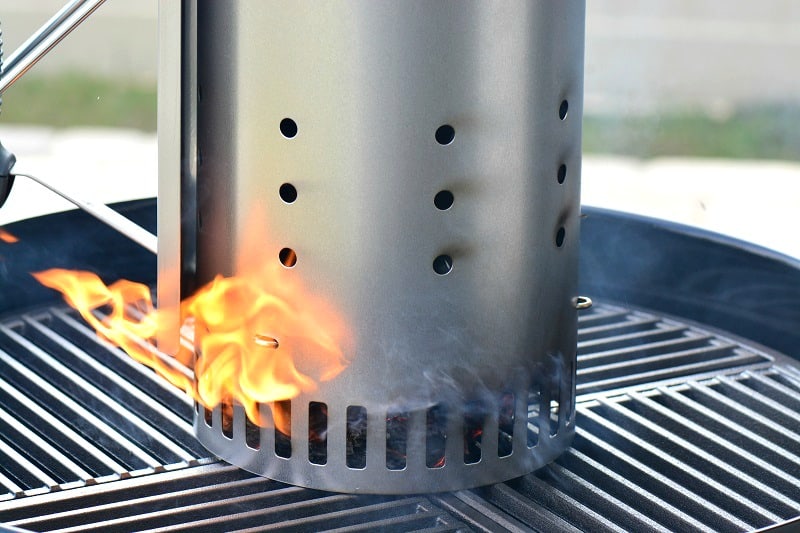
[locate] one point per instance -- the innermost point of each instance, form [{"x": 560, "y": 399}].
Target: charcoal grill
[{"x": 688, "y": 403}]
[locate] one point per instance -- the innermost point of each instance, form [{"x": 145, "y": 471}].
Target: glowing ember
[
  {"x": 7, "y": 237},
  {"x": 235, "y": 354}
]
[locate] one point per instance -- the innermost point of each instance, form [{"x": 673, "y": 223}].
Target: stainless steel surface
[
  {"x": 714, "y": 451},
  {"x": 45, "y": 39},
  {"x": 177, "y": 161},
  {"x": 104, "y": 214},
  {"x": 368, "y": 85}
]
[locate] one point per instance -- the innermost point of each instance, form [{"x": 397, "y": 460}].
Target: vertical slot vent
[
  {"x": 555, "y": 409},
  {"x": 356, "y": 449},
  {"x": 226, "y": 413},
  {"x": 534, "y": 408},
  {"x": 474, "y": 420},
  {"x": 318, "y": 433},
  {"x": 396, "y": 440},
  {"x": 252, "y": 432},
  {"x": 505, "y": 426},
  {"x": 282, "y": 415},
  {"x": 436, "y": 436}
]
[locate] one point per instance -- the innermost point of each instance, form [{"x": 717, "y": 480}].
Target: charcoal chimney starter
[{"x": 417, "y": 164}]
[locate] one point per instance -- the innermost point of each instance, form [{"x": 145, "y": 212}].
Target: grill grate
[
  {"x": 77, "y": 411},
  {"x": 618, "y": 347},
  {"x": 672, "y": 442}
]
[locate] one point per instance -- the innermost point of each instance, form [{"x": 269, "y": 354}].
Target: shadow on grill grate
[{"x": 678, "y": 428}]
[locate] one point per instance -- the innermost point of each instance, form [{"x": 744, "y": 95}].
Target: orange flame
[
  {"x": 250, "y": 345},
  {"x": 7, "y": 237}
]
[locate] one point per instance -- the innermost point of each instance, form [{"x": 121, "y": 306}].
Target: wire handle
[{"x": 104, "y": 214}]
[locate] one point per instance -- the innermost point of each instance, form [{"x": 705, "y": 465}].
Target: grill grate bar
[
  {"x": 547, "y": 494},
  {"x": 13, "y": 488},
  {"x": 660, "y": 483},
  {"x": 27, "y": 440},
  {"x": 711, "y": 440},
  {"x": 76, "y": 411},
  {"x": 683, "y": 341},
  {"x": 158, "y": 443},
  {"x": 187, "y": 500},
  {"x": 687, "y": 474},
  {"x": 793, "y": 373},
  {"x": 285, "y": 517},
  {"x": 531, "y": 511},
  {"x": 781, "y": 457},
  {"x": 80, "y": 411},
  {"x": 736, "y": 361},
  {"x": 112, "y": 380},
  {"x": 128, "y": 402},
  {"x": 641, "y": 348},
  {"x": 769, "y": 386},
  {"x": 633, "y": 324},
  {"x": 76, "y": 331},
  {"x": 640, "y": 499},
  {"x": 483, "y": 516},
  {"x": 732, "y": 435},
  {"x": 160, "y": 485},
  {"x": 604, "y": 503},
  {"x": 634, "y": 340},
  {"x": 75, "y": 442},
  {"x": 602, "y": 314},
  {"x": 660, "y": 361},
  {"x": 402, "y": 514},
  {"x": 761, "y": 403},
  {"x": 26, "y": 471},
  {"x": 748, "y": 415},
  {"x": 716, "y": 468}
]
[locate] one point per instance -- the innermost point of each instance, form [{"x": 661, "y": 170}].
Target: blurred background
[{"x": 692, "y": 111}]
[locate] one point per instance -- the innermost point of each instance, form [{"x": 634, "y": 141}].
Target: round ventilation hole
[
  {"x": 288, "y": 257},
  {"x": 562, "y": 109},
  {"x": 288, "y": 128},
  {"x": 288, "y": 193},
  {"x": 443, "y": 264},
  {"x": 562, "y": 173},
  {"x": 560, "y": 235},
  {"x": 443, "y": 200},
  {"x": 445, "y": 134}
]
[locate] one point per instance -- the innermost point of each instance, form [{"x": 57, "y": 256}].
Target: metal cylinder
[{"x": 433, "y": 149}]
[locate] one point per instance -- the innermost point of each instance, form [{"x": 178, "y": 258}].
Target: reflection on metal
[{"x": 45, "y": 39}]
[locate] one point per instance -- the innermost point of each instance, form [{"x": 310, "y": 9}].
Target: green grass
[
  {"x": 760, "y": 132},
  {"x": 72, "y": 99}
]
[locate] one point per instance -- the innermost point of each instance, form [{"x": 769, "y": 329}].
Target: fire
[
  {"x": 258, "y": 338},
  {"x": 7, "y": 237}
]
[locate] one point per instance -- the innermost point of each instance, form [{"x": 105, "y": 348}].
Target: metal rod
[
  {"x": 45, "y": 39},
  {"x": 107, "y": 215},
  {"x": 41, "y": 33}
]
